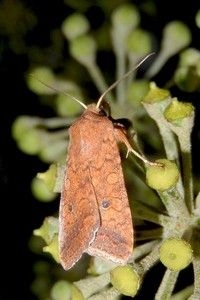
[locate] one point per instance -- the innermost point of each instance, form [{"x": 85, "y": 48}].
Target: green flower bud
[
  {"x": 61, "y": 290},
  {"x": 45, "y": 75},
  {"x": 136, "y": 91},
  {"x": 66, "y": 106},
  {"x": 83, "y": 49},
  {"x": 65, "y": 290},
  {"x": 41, "y": 191},
  {"x": 53, "y": 248},
  {"x": 197, "y": 18},
  {"x": 76, "y": 293},
  {"x": 48, "y": 229},
  {"x": 175, "y": 254},
  {"x": 22, "y": 124},
  {"x": 156, "y": 94},
  {"x": 187, "y": 76},
  {"x": 187, "y": 79},
  {"x": 139, "y": 42},
  {"x": 178, "y": 110},
  {"x": 125, "y": 17},
  {"x": 189, "y": 57},
  {"x": 49, "y": 177},
  {"x": 74, "y": 26},
  {"x": 162, "y": 177},
  {"x": 30, "y": 142},
  {"x": 176, "y": 36},
  {"x": 126, "y": 280}
]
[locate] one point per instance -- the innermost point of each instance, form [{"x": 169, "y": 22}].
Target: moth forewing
[{"x": 78, "y": 215}]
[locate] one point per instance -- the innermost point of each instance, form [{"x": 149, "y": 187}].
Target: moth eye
[
  {"x": 102, "y": 112},
  {"x": 105, "y": 109},
  {"x": 105, "y": 203}
]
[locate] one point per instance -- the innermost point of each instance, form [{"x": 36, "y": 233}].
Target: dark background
[{"x": 20, "y": 212}]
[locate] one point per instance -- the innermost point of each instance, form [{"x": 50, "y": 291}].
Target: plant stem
[
  {"x": 120, "y": 54},
  {"x": 121, "y": 70},
  {"x": 157, "y": 65},
  {"x": 97, "y": 77},
  {"x": 149, "y": 234},
  {"x": 183, "y": 133},
  {"x": 167, "y": 285},
  {"x": 196, "y": 263},
  {"x": 150, "y": 260},
  {"x": 141, "y": 211},
  {"x": 183, "y": 294},
  {"x": 142, "y": 250},
  {"x": 187, "y": 179},
  {"x": 56, "y": 122},
  {"x": 110, "y": 294},
  {"x": 169, "y": 142},
  {"x": 174, "y": 203},
  {"x": 92, "y": 285}
]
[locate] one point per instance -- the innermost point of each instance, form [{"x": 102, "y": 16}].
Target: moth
[{"x": 94, "y": 214}]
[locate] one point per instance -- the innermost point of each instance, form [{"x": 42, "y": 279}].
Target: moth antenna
[
  {"x": 122, "y": 78},
  {"x": 60, "y": 91}
]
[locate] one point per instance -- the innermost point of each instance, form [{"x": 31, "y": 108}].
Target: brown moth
[{"x": 94, "y": 214}]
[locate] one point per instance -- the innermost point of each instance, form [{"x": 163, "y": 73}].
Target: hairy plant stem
[{"x": 167, "y": 285}]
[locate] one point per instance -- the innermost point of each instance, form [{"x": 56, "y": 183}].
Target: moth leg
[{"x": 121, "y": 137}]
